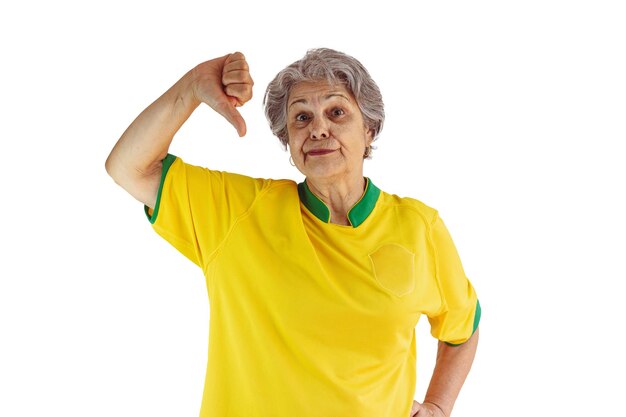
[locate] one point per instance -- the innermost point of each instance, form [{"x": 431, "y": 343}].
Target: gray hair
[{"x": 335, "y": 67}]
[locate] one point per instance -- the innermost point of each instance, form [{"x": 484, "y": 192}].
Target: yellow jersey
[{"x": 310, "y": 318}]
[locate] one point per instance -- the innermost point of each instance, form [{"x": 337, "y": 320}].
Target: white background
[{"x": 505, "y": 116}]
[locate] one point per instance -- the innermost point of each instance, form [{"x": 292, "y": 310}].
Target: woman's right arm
[{"x": 135, "y": 162}]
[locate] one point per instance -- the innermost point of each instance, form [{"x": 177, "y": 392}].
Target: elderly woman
[{"x": 315, "y": 288}]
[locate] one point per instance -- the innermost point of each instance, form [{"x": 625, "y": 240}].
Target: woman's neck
[{"x": 339, "y": 195}]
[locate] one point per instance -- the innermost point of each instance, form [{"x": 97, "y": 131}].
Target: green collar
[{"x": 357, "y": 214}]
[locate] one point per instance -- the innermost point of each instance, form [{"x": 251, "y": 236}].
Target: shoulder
[
  {"x": 408, "y": 207},
  {"x": 229, "y": 179}
]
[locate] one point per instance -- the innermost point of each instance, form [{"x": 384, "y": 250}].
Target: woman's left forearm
[{"x": 453, "y": 365}]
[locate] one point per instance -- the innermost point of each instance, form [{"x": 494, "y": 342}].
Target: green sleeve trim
[
  {"x": 477, "y": 314},
  {"x": 167, "y": 163}
]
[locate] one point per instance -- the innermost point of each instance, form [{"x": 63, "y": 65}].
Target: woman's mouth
[{"x": 319, "y": 152}]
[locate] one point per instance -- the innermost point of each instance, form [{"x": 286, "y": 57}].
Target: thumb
[
  {"x": 227, "y": 109},
  {"x": 414, "y": 408}
]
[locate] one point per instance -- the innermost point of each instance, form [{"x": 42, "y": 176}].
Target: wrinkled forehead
[{"x": 308, "y": 91}]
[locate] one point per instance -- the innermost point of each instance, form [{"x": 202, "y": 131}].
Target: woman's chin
[{"x": 319, "y": 174}]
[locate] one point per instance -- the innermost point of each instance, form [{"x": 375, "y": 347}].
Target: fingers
[
  {"x": 236, "y": 78},
  {"x": 235, "y": 61},
  {"x": 242, "y": 93},
  {"x": 421, "y": 410}
]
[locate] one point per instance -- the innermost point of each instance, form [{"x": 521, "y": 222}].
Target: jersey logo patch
[{"x": 393, "y": 267}]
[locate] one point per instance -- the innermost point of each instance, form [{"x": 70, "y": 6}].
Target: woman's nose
[{"x": 319, "y": 128}]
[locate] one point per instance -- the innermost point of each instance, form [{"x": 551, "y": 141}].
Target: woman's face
[{"x": 327, "y": 134}]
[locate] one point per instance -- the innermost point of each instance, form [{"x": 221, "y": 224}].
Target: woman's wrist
[{"x": 436, "y": 408}]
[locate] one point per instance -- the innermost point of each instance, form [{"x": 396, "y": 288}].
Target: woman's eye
[
  {"x": 302, "y": 117},
  {"x": 338, "y": 112}
]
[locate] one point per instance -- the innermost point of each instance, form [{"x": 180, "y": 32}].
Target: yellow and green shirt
[{"x": 310, "y": 318}]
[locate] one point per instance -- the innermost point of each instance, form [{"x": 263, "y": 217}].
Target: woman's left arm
[{"x": 452, "y": 366}]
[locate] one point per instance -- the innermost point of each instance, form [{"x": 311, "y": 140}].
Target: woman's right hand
[
  {"x": 135, "y": 161},
  {"x": 224, "y": 83}
]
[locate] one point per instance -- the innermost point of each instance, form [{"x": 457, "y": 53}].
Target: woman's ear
[{"x": 369, "y": 136}]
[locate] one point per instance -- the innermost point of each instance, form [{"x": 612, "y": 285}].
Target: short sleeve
[
  {"x": 459, "y": 315},
  {"x": 197, "y": 207}
]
